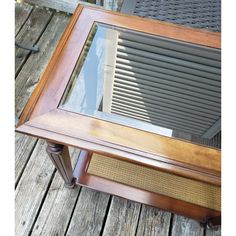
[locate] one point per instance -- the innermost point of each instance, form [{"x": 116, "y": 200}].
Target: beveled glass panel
[{"x": 151, "y": 83}]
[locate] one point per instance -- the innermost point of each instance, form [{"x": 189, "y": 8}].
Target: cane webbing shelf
[{"x": 156, "y": 181}]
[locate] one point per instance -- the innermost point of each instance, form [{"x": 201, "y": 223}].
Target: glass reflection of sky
[
  {"x": 86, "y": 90},
  {"x": 87, "y": 93}
]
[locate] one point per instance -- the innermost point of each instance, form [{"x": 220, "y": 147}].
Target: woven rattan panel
[
  {"x": 156, "y": 181},
  {"x": 195, "y": 13}
]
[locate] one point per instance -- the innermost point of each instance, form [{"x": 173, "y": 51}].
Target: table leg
[
  {"x": 60, "y": 157},
  {"x": 212, "y": 222}
]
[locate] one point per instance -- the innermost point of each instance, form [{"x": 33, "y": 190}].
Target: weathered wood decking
[{"x": 43, "y": 205}]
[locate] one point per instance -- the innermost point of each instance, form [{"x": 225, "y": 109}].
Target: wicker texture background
[
  {"x": 156, "y": 181},
  {"x": 195, "y": 13}
]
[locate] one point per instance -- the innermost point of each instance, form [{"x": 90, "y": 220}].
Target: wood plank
[
  {"x": 122, "y": 218},
  {"x": 31, "y": 189},
  {"x": 119, "y": 4},
  {"x": 109, "y": 4},
  {"x": 24, "y": 146},
  {"x": 29, "y": 34},
  {"x": 22, "y": 12},
  {"x": 30, "y": 73},
  {"x": 58, "y": 206},
  {"x": 128, "y": 7},
  {"x": 68, "y": 6},
  {"x": 89, "y": 213},
  {"x": 114, "y": 5},
  {"x": 210, "y": 232},
  {"x": 153, "y": 221},
  {"x": 185, "y": 226}
]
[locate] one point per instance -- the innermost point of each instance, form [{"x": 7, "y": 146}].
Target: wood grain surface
[
  {"x": 67, "y": 6},
  {"x": 89, "y": 213},
  {"x": 23, "y": 150},
  {"x": 54, "y": 217},
  {"x": 153, "y": 221},
  {"x": 28, "y": 77},
  {"x": 22, "y": 12},
  {"x": 184, "y": 226},
  {"x": 122, "y": 217},
  {"x": 29, "y": 34},
  {"x": 215, "y": 232},
  {"x": 34, "y": 182},
  {"x": 201, "y": 163}
]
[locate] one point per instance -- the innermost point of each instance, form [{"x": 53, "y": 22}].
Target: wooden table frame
[{"x": 43, "y": 118}]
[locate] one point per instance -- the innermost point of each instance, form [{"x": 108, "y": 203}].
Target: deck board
[
  {"x": 30, "y": 33},
  {"x": 184, "y": 226},
  {"x": 58, "y": 206},
  {"x": 22, "y": 12},
  {"x": 67, "y": 6},
  {"x": 153, "y": 222},
  {"x": 43, "y": 205},
  {"x": 89, "y": 213},
  {"x": 122, "y": 217},
  {"x": 32, "y": 188},
  {"x": 24, "y": 146},
  {"x": 29, "y": 75},
  {"x": 216, "y": 232}
]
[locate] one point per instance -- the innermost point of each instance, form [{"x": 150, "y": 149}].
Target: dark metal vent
[
  {"x": 168, "y": 83},
  {"x": 195, "y": 13}
]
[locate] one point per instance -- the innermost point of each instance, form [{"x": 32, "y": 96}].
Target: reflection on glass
[{"x": 150, "y": 83}]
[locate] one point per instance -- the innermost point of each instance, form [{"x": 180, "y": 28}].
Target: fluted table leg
[{"x": 59, "y": 154}]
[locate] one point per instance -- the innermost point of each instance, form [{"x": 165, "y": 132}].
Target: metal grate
[
  {"x": 167, "y": 83},
  {"x": 194, "y": 13}
]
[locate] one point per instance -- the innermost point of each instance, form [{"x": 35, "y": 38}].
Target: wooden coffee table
[{"x": 138, "y": 97}]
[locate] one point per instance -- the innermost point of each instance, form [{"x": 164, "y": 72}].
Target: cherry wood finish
[
  {"x": 205, "y": 215},
  {"x": 170, "y": 155},
  {"x": 42, "y": 118},
  {"x": 60, "y": 157}
]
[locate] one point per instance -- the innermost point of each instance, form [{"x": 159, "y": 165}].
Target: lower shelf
[{"x": 152, "y": 187}]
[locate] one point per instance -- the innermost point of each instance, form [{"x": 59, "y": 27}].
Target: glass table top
[{"x": 151, "y": 83}]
